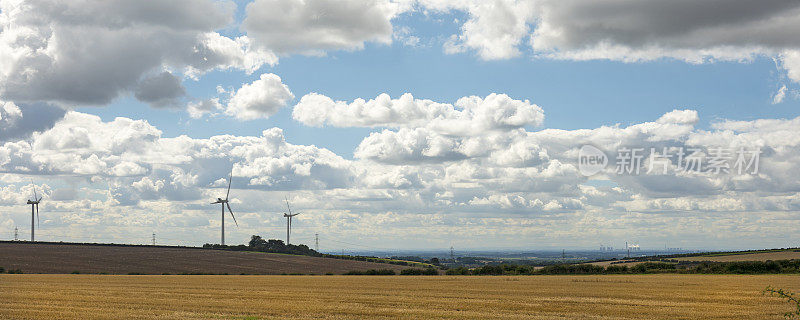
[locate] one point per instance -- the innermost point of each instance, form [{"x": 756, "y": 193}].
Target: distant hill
[
  {"x": 728, "y": 256},
  {"x": 777, "y": 254},
  {"x": 126, "y": 259}
]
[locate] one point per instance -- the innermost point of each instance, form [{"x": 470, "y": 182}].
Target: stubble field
[
  {"x": 68, "y": 258},
  {"x": 663, "y": 296}
]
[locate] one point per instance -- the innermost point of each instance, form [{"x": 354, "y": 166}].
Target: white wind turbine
[
  {"x": 289, "y": 220},
  {"x": 224, "y": 203},
  {"x": 34, "y": 206}
]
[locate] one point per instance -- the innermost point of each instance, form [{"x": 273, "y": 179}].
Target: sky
[{"x": 403, "y": 124}]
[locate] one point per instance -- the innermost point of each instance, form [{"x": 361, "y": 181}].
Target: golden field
[
  {"x": 758, "y": 256},
  {"x": 662, "y": 296}
]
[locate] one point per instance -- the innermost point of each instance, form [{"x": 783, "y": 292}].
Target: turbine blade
[
  {"x": 229, "y": 185},
  {"x": 231, "y": 211},
  {"x": 35, "y": 196},
  {"x": 287, "y": 204},
  {"x": 37, "y": 215}
]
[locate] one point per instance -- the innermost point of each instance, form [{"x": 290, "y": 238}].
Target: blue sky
[{"x": 116, "y": 116}]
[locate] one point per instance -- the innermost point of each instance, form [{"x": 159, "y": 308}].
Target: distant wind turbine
[
  {"x": 224, "y": 203},
  {"x": 34, "y": 206},
  {"x": 289, "y": 220}
]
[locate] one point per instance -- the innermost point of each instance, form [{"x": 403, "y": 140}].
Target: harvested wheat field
[
  {"x": 756, "y": 256},
  {"x": 664, "y": 296},
  {"x": 790, "y": 254},
  {"x": 68, "y": 258}
]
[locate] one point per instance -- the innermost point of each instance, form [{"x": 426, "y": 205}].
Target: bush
[
  {"x": 572, "y": 269},
  {"x": 489, "y": 270},
  {"x": 616, "y": 269},
  {"x": 789, "y": 297},
  {"x": 419, "y": 272},
  {"x": 750, "y": 267},
  {"x": 458, "y": 271},
  {"x": 371, "y": 272},
  {"x": 651, "y": 267},
  {"x": 2, "y": 270},
  {"x": 76, "y": 272},
  {"x": 14, "y": 271}
]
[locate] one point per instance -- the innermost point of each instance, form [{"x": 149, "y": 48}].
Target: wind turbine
[
  {"x": 288, "y": 220},
  {"x": 224, "y": 203},
  {"x": 34, "y": 206}
]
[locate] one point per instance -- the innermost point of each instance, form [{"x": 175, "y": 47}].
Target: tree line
[{"x": 706, "y": 267}]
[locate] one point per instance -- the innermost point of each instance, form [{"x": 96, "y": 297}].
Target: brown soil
[{"x": 67, "y": 258}]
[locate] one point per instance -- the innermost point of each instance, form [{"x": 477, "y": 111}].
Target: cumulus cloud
[
  {"x": 84, "y": 145},
  {"x": 162, "y": 90},
  {"x": 9, "y": 114},
  {"x": 495, "y": 29},
  {"x": 260, "y": 99},
  {"x": 198, "y": 109},
  {"x": 646, "y": 30},
  {"x": 629, "y": 31},
  {"x": 89, "y": 53},
  {"x": 469, "y": 115},
  {"x": 509, "y": 179},
  {"x": 312, "y": 27},
  {"x": 20, "y": 121}
]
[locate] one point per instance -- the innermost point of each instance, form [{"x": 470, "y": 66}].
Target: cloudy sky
[{"x": 403, "y": 124}]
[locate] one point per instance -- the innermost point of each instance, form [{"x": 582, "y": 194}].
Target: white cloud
[
  {"x": 133, "y": 180},
  {"x": 687, "y": 117},
  {"x": 10, "y": 113},
  {"x": 260, "y": 99},
  {"x": 790, "y": 60},
  {"x": 494, "y": 29},
  {"x": 469, "y": 115},
  {"x": 198, "y": 109},
  {"x": 629, "y": 31},
  {"x": 313, "y": 27},
  {"x": 779, "y": 96},
  {"x": 89, "y": 53}
]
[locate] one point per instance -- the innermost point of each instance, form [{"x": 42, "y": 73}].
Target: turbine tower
[
  {"x": 288, "y": 220},
  {"x": 34, "y": 206},
  {"x": 224, "y": 203}
]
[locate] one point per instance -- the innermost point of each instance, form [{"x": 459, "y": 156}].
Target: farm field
[
  {"x": 663, "y": 296},
  {"x": 68, "y": 258},
  {"x": 789, "y": 254},
  {"x": 758, "y": 256}
]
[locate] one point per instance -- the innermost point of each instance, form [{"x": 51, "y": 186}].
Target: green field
[{"x": 663, "y": 296}]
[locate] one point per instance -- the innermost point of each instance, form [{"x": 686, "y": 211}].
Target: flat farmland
[
  {"x": 789, "y": 254},
  {"x": 663, "y": 296},
  {"x": 756, "y": 256},
  {"x": 68, "y": 258}
]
